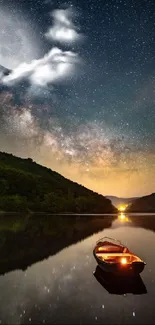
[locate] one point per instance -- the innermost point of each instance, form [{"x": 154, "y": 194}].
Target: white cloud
[
  {"x": 54, "y": 66},
  {"x": 63, "y": 29}
]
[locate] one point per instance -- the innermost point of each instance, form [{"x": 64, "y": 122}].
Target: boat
[{"x": 112, "y": 256}]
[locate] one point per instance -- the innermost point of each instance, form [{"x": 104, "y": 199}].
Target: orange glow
[
  {"x": 122, "y": 216},
  {"x": 124, "y": 261},
  {"x": 122, "y": 208}
]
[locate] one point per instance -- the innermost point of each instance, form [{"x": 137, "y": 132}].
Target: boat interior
[
  {"x": 123, "y": 258},
  {"x": 112, "y": 252},
  {"x": 111, "y": 249}
]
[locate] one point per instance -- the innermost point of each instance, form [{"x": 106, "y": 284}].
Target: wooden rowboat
[{"x": 112, "y": 256}]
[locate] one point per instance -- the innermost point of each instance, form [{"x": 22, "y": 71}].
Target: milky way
[{"x": 85, "y": 106}]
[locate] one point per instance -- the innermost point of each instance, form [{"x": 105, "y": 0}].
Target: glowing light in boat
[{"x": 123, "y": 261}]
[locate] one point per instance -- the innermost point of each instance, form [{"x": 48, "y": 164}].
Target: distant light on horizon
[{"x": 122, "y": 208}]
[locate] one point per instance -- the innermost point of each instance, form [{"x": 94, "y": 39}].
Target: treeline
[{"x": 27, "y": 186}]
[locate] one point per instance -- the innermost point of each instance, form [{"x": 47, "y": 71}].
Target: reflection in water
[
  {"x": 120, "y": 285},
  {"x": 146, "y": 221},
  {"x": 25, "y": 240},
  {"x": 123, "y": 217},
  {"x": 61, "y": 287},
  {"x": 122, "y": 220}
]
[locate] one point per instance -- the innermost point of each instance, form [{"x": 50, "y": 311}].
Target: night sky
[{"x": 77, "y": 90}]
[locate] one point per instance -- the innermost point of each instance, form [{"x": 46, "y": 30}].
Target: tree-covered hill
[
  {"x": 143, "y": 204},
  {"x": 25, "y": 185}
]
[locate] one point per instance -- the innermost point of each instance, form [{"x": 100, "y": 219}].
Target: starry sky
[{"x": 77, "y": 90}]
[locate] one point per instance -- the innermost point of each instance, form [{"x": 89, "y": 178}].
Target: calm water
[{"x": 52, "y": 281}]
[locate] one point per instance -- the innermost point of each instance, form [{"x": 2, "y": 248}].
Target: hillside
[
  {"x": 25, "y": 185},
  {"x": 143, "y": 204},
  {"x": 117, "y": 201}
]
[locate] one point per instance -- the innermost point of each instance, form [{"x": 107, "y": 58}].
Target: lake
[{"x": 49, "y": 275}]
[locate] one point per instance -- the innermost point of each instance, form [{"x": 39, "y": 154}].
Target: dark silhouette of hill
[
  {"x": 143, "y": 204},
  {"x": 116, "y": 201},
  {"x": 25, "y": 240},
  {"x": 28, "y": 186}
]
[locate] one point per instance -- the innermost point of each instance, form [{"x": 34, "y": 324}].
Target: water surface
[{"x": 49, "y": 275}]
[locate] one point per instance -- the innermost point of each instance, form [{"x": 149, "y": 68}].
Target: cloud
[
  {"x": 63, "y": 29},
  {"x": 54, "y": 66}
]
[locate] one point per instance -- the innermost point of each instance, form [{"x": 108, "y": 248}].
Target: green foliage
[
  {"x": 25, "y": 185},
  {"x": 13, "y": 203},
  {"x": 3, "y": 186}
]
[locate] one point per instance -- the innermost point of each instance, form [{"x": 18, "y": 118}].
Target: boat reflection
[{"x": 120, "y": 285}]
